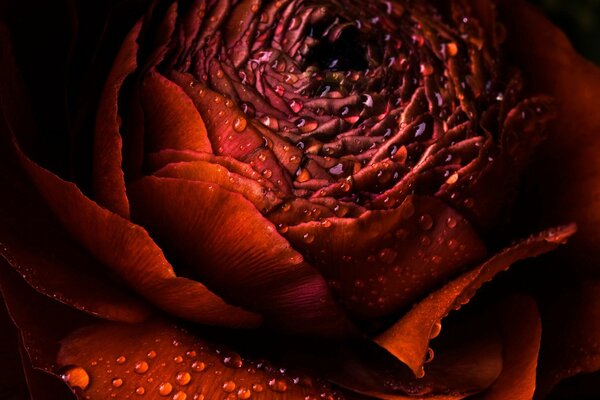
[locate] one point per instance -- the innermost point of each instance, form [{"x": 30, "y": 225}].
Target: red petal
[
  {"x": 565, "y": 185},
  {"x": 155, "y": 360},
  {"x": 171, "y": 120},
  {"x": 571, "y": 336},
  {"x": 409, "y": 338},
  {"x": 38, "y": 247},
  {"x": 384, "y": 260},
  {"x": 521, "y": 329},
  {"x": 129, "y": 251},
  {"x": 225, "y": 241},
  {"x": 109, "y": 180}
]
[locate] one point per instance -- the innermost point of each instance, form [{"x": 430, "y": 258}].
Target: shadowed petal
[
  {"x": 130, "y": 252},
  {"x": 409, "y": 338},
  {"x": 223, "y": 239}
]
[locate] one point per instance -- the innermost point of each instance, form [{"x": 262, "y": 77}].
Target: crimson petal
[
  {"x": 238, "y": 253},
  {"x": 409, "y": 338},
  {"x": 129, "y": 251}
]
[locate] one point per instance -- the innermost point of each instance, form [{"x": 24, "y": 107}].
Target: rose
[{"x": 359, "y": 233}]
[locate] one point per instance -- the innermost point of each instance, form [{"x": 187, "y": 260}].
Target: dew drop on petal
[
  {"x": 425, "y": 222},
  {"x": 257, "y": 387},
  {"x": 165, "y": 389},
  {"x": 121, "y": 360},
  {"x": 239, "y": 124},
  {"x": 76, "y": 377},
  {"x": 277, "y": 385},
  {"x": 140, "y": 390},
  {"x": 244, "y": 393},
  {"x": 117, "y": 382},
  {"x": 198, "y": 366},
  {"x": 141, "y": 367},
  {"x": 180, "y": 396},
  {"x": 228, "y": 386},
  {"x": 183, "y": 378}
]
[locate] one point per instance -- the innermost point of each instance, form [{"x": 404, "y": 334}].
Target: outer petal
[
  {"x": 565, "y": 185},
  {"x": 156, "y": 359},
  {"x": 571, "y": 344},
  {"x": 109, "y": 180},
  {"x": 223, "y": 239},
  {"x": 129, "y": 251},
  {"x": 38, "y": 248},
  {"x": 409, "y": 338},
  {"x": 521, "y": 329}
]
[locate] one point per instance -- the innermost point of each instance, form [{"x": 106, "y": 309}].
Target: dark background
[{"x": 580, "y": 20}]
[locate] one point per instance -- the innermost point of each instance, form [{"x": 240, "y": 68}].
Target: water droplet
[
  {"x": 140, "y": 391},
  {"x": 165, "y": 389},
  {"x": 308, "y": 238},
  {"x": 267, "y": 173},
  {"x": 436, "y": 259},
  {"x": 425, "y": 222},
  {"x": 277, "y": 385},
  {"x": 326, "y": 223},
  {"x": 469, "y": 203},
  {"x": 183, "y": 378},
  {"x": 141, "y": 367},
  {"x": 178, "y": 359},
  {"x": 387, "y": 255},
  {"x": 257, "y": 387},
  {"x": 198, "y": 366},
  {"x": 117, "y": 382},
  {"x": 76, "y": 377},
  {"x": 451, "y": 222},
  {"x": 228, "y": 386},
  {"x": 179, "y": 396},
  {"x": 121, "y": 360},
  {"x": 244, "y": 393},
  {"x": 239, "y": 124},
  {"x": 303, "y": 175},
  {"x": 451, "y": 49},
  {"x": 452, "y": 179},
  {"x": 426, "y": 69},
  {"x": 151, "y": 354},
  {"x": 296, "y": 106},
  {"x": 435, "y": 330},
  {"x": 429, "y": 356}
]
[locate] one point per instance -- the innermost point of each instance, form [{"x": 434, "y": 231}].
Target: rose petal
[
  {"x": 521, "y": 329},
  {"x": 409, "y": 338},
  {"x": 109, "y": 180},
  {"x": 384, "y": 260},
  {"x": 571, "y": 343},
  {"x": 156, "y": 360},
  {"x": 37, "y": 247},
  {"x": 170, "y": 119},
  {"x": 129, "y": 251},
  {"x": 224, "y": 240},
  {"x": 568, "y": 190}
]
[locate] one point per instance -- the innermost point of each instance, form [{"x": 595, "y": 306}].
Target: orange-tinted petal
[
  {"x": 158, "y": 360},
  {"x": 109, "y": 180},
  {"x": 131, "y": 253},
  {"x": 225, "y": 241},
  {"x": 384, "y": 260},
  {"x": 409, "y": 338},
  {"x": 171, "y": 120},
  {"x": 521, "y": 331}
]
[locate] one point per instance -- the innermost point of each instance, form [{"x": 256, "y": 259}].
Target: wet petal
[
  {"x": 129, "y": 251},
  {"x": 109, "y": 180},
  {"x": 384, "y": 260},
  {"x": 223, "y": 240},
  {"x": 157, "y": 359},
  {"x": 170, "y": 119},
  {"x": 409, "y": 338}
]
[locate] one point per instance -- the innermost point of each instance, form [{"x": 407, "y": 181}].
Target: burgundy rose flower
[{"x": 316, "y": 183}]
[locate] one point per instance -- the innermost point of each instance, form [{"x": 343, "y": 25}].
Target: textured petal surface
[
  {"x": 225, "y": 242},
  {"x": 384, "y": 260},
  {"x": 128, "y": 250},
  {"x": 409, "y": 338},
  {"x": 156, "y": 360}
]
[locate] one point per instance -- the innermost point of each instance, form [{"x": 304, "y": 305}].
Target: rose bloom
[{"x": 215, "y": 199}]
